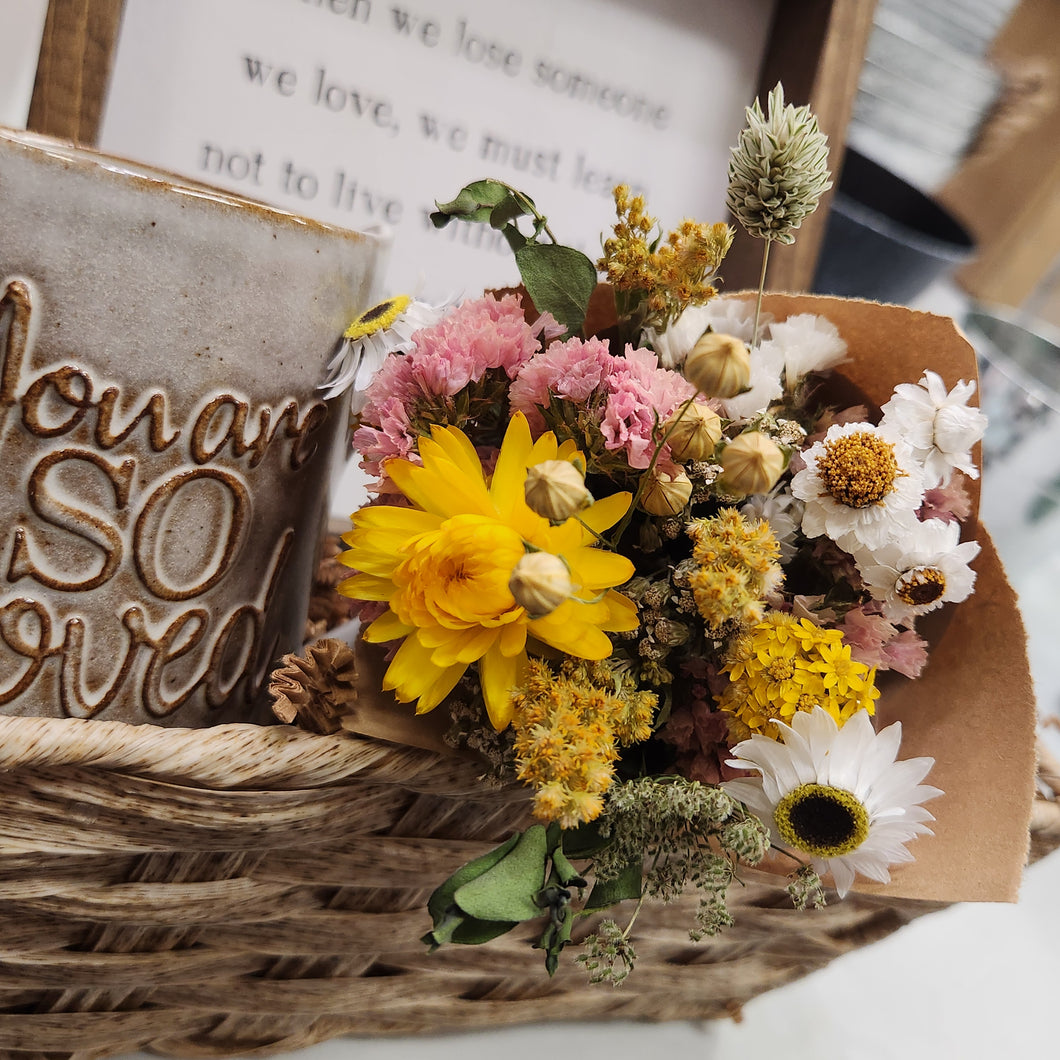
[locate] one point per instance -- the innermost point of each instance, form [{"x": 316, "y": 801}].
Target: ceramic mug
[{"x": 165, "y": 453}]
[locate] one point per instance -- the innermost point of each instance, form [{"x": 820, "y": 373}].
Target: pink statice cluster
[
  {"x": 481, "y": 336},
  {"x": 631, "y": 395},
  {"x": 874, "y": 641}
]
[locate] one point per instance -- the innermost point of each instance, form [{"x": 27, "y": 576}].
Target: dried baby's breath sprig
[
  {"x": 313, "y": 689},
  {"x": 609, "y": 955},
  {"x": 679, "y": 829},
  {"x": 806, "y": 888}
]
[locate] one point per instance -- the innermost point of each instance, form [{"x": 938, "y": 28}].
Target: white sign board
[{"x": 364, "y": 112}]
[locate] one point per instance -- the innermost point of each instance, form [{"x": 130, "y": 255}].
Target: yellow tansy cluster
[
  {"x": 785, "y": 664},
  {"x": 567, "y": 730},
  {"x": 673, "y": 274},
  {"x": 737, "y": 564}
]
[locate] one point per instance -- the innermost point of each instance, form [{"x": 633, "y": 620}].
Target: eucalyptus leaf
[
  {"x": 584, "y": 841},
  {"x": 559, "y": 279},
  {"x": 606, "y": 893},
  {"x": 554, "y": 938},
  {"x": 474, "y": 202},
  {"x": 508, "y": 209},
  {"x": 507, "y": 890}
]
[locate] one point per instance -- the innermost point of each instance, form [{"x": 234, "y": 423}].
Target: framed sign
[{"x": 360, "y": 112}]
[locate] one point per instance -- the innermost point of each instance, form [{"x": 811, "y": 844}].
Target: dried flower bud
[
  {"x": 753, "y": 463},
  {"x": 666, "y": 494},
  {"x": 540, "y": 582},
  {"x": 556, "y": 490},
  {"x": 718, "y": 366},
  {"x": 695, "y": 434}
]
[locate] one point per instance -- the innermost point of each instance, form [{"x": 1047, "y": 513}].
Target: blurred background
[{"x": 946, "y": 200}]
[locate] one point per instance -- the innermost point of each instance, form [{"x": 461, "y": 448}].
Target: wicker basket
[{"x": 246, "y": 890}]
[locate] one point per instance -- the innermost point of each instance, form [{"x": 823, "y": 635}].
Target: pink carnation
[
  {"x": 480, "y": 334},
  {"x": 393, "y": 437},
  {"x": 640, "y": 395},
  {"x": 570, "y": 370}
]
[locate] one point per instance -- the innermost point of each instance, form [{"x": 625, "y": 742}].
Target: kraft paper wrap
[{"x": 972, "y": 709}]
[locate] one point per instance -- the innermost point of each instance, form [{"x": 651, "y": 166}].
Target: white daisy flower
[
  {"x": 940, "y": 426},
  {"x": 727, "y": 316},
  {"x": 836, "y": 795},
  {"x": 858, "y": 482},
  {"x": 810, "y": 344},
  {"x": 386, "y": 327},
  {"x": 924, "y": 567}
]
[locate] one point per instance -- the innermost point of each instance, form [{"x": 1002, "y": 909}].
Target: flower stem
[{"x": 761, "y": 290}]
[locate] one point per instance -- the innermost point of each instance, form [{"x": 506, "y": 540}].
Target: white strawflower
[
  {"x": 858, "y": 482},
  {"x": 810, "y": 343},
  {"x": 924, "y": 567},
  {"x": 767, "y": 363},
  {"x": 836, "y": 795},
  {"x": 783, "y": 513},
  {"x": 778, "y": 169},
  {"x": 941, "y": 427},
  {"x": 727, "y": 316}
]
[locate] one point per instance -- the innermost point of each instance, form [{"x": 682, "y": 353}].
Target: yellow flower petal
[
  {"x": 606, "y": 512},
  {"x": 499, "y": 674},
  {"x": 366, "y": 587},
  {"x": 386, "y": 627},
  {"x": 593, "y": 568}
]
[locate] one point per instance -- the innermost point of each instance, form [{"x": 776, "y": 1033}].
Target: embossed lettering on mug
[
  {"x": 164, "y": 456},
  {"x": 181, "y": 534}
]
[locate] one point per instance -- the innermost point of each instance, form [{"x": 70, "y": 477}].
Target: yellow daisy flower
[{"x": 443, "y": 567}]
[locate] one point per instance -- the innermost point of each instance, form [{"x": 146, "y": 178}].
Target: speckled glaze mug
[{"x": 165, "y": 455}]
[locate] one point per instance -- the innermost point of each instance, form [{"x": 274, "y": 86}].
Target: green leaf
[
  {"x": 568, "y": 875},
  {"x": 506, "y": 891},
  {"x": 439, "y": 903},
  {"x": 606, "y": 893},
  {"x": 507, "y": 210},
  {"x": 474, "y": 202},
  {"x": 584, "y": 841},
  {"x": 559, "y": 279}
]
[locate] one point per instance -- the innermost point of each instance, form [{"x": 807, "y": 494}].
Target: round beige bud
[
  {"x": 666, "y": 494},
  {"x": 556, "y": 490},
  {"x": 752, "y": 463},
  {"x": 695, "y": 434},
  {"x": 540, "y": 582},
  {"x": 718, "y": 366}
]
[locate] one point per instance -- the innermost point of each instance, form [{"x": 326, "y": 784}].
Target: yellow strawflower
[{"x": 443, "y": 568}]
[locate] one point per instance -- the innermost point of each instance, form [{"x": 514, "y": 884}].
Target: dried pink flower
[{"x": 570, "y": 370}]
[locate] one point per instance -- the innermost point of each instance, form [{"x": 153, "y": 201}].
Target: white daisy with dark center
[
  {"x": 386, "y": 327},
  {"x": 836, "y": 796},
  {"x": 925, "y": 567}
]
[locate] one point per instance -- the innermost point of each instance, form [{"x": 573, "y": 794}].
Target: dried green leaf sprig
[{"x": 778, "y": 169}]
